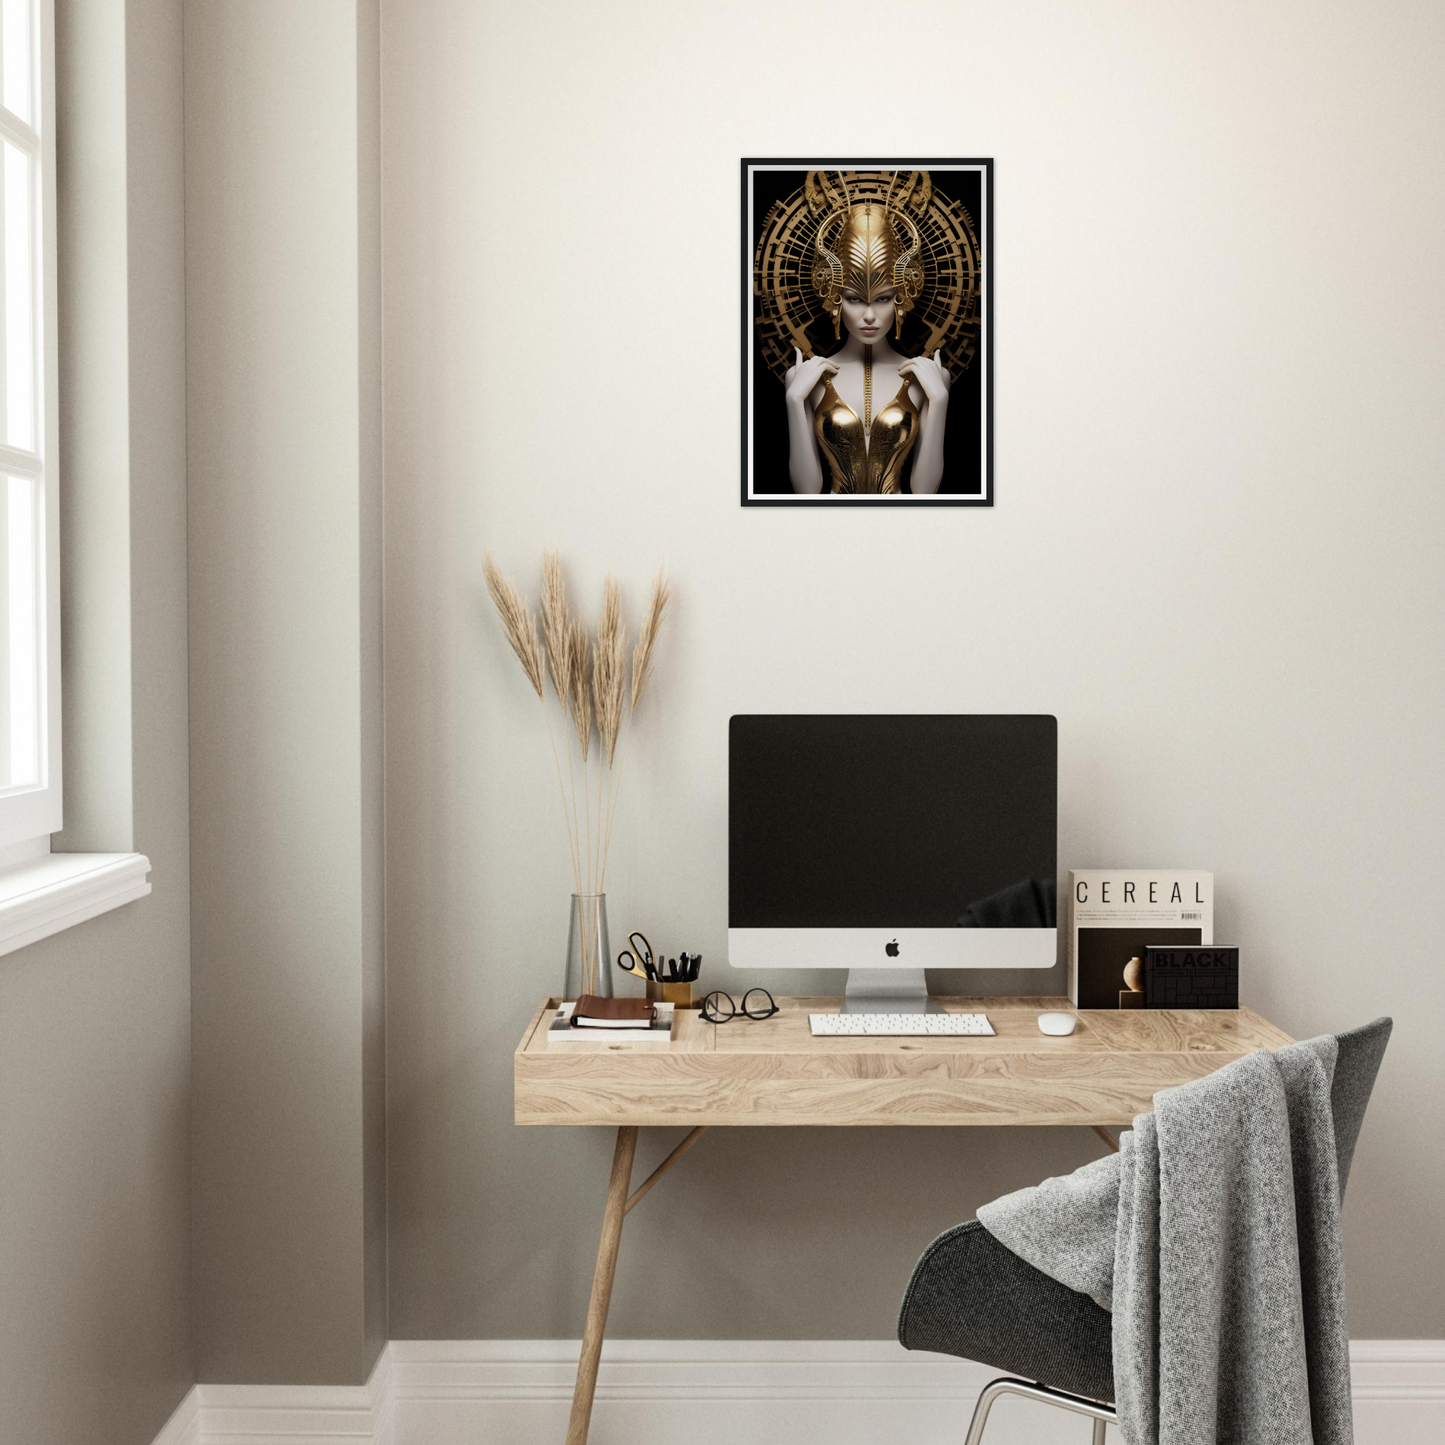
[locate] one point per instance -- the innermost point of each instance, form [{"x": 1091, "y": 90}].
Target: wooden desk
[{"x": 774, "y": 1072}]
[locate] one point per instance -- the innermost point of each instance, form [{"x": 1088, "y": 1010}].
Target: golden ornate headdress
[
  {"x": 869, "y": 231},
  {"x": 860, "y": 248}
]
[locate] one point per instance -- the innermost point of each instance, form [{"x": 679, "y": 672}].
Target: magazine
[{"x": 1114, "y": 913}]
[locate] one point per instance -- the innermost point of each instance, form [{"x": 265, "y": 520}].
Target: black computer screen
[{"x": 907, "y": 821}]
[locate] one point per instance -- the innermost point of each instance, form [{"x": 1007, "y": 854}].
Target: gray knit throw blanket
[{"x": 1214, "y": 1237}]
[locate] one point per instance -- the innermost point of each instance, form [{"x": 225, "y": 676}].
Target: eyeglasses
[{"x": 719, "y": 1008}]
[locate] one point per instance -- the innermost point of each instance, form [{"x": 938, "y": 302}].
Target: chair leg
[
  {"x": 1099, "y": 1413},
  {"x": 980, "y": 1411}
]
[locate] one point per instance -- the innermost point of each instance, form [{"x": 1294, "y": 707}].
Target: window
[
  {"x": 30, "y": 795},
  {"x": 41, "y": 892}
]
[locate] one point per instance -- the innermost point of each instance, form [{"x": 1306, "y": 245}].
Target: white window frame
[
  {"x": 42, "y": 892},
  {"x": 29, "y": 815}
]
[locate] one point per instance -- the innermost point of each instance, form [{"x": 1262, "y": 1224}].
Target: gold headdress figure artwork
[{"x": 867, "y": 231}]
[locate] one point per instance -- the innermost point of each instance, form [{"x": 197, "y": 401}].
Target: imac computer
[{"x": 890, "y": 844}]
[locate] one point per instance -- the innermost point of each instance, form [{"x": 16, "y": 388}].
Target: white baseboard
[
  {"x": 715, "y": 1392},
  {"x": 288, "y": 1414},
  {"x": 184, "y": 1427}
]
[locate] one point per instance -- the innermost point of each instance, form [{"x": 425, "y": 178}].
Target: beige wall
[
  {"x": 95, "y": 1339},
  {"x": 282, "y": 317},
  {"x": 1215, "y": 556}
]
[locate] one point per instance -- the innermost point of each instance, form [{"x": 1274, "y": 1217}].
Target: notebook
[{"x": 560, "y": 1031}]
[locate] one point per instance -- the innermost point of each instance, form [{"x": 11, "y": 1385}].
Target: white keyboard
[{"x": 899, "y": 1025}]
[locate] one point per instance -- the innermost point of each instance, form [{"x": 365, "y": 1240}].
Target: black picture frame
[{"x": 759, "y": 433}]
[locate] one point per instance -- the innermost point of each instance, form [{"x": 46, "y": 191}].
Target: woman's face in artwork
[{"x": 869, "y": 321}]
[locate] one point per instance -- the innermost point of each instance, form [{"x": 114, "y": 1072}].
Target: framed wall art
[{"x": 867, "y": 352}]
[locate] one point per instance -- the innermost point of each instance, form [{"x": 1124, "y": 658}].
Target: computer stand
[{"x": 887, "y": 991}]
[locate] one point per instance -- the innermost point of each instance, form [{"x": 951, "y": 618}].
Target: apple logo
[{"x": 891, "y": 949}]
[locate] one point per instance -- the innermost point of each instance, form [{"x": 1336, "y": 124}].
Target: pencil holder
[{"x": 679, "y": 994}]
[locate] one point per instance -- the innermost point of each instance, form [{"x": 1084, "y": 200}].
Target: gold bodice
[{"x": 878, "y": 467}]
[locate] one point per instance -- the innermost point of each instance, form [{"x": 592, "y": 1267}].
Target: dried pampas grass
[
  {"x": 590, "y": 684},
  {"x": 579, "y": 685},
  {"x": 516, "y": 623},
  {"x": 608, "y": 670},
  {"x": 556, "y": 635},
  {"x": 647, "y": 636}
]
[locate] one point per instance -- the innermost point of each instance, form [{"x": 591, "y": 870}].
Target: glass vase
[{"x": 589, "y": 951}]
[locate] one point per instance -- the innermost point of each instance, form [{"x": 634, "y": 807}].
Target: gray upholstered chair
[{"x": 972, "y": 1297}]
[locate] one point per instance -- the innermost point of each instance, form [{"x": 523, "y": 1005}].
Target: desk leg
[{"x": 612, "y": 1216}]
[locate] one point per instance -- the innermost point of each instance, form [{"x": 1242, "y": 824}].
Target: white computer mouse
[{"x": 1057, "y": 1023}]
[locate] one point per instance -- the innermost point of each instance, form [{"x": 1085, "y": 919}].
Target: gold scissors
[{"x": 637, "y": 958}]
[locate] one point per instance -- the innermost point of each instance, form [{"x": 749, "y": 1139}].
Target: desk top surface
[{"x": 775, "y": 1072}]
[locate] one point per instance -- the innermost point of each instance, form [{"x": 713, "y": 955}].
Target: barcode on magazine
[{"x": 1195, "y": 916}]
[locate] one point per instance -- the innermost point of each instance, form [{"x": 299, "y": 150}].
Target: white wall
[{"x": 1215, "y": 556}]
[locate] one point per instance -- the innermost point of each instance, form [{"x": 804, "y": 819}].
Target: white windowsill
[{"x": 60, "y": 890}]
